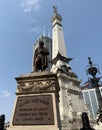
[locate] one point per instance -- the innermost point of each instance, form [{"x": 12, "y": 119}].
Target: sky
[{"x": 23, "y": 21}]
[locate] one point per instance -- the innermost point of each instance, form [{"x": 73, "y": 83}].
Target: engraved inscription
[{"x": 34, "y": 110}]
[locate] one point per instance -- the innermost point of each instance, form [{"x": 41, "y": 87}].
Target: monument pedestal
[{"x": 36, "y": 106}]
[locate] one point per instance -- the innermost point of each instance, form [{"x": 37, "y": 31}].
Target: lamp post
[{"x": 92, "y": 70}]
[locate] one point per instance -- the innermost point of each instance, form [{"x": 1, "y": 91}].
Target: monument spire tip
[{"x": 55, "y": 9}]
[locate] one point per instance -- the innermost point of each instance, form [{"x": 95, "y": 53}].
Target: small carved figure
[
  {"x": 2, "y": 121},
  {"x": 40, "y": 57},
  {"x": 86, "y": 123},
  {"x": 55, "y": 9}
]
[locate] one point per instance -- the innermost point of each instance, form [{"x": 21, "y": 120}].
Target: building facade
[{"x": 90, "y": 98}]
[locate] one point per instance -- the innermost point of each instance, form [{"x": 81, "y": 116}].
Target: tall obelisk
[
  {"x": 70, "y": 93},
  {"x": 59, "y": 55}
]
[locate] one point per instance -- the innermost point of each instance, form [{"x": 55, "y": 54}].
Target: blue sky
[{"x": 21, "y": 23}]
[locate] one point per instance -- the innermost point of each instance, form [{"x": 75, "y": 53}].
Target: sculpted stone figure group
[{"x": 40, "y": 57}]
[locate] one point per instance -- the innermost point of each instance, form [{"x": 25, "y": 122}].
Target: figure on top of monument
[{"x": 40, "y": 57}]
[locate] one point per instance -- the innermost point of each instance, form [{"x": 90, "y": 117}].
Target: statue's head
[{"x": 41, "y": 43}]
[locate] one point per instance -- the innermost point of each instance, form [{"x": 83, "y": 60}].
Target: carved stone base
[{"x": 36, "y": 105}]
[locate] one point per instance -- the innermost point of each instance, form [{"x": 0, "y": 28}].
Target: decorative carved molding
[{"x": 36, "y": 86}]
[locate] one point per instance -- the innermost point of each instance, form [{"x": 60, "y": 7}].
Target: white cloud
[
  {"x": 29, "y": 5},
  {"x": 37, "y": 30},
  {"x": 5, "y": 94}
]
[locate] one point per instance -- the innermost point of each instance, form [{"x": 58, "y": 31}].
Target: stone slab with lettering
[{"x": 34, "y": 110}]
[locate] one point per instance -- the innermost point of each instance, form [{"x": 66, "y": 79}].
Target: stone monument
[
  {"x": 71, "y": 100},
  {"x": 37, "y": 97}
]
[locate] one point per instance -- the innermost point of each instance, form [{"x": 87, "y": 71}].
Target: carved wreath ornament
[{"x": 36, "y": 86}]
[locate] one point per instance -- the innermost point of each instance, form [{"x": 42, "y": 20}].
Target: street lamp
[{"x": 92, "y": 69}]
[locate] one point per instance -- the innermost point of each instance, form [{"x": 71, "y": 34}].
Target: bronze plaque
[{"x": 34, "y": 110}]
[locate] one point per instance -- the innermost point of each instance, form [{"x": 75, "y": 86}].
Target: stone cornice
[
  {"x": 60, "y": 57},
  {"x": 62, "y": 75},
  {"x": 37, "y": 82}
]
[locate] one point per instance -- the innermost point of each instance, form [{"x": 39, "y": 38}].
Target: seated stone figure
[{"x": 40, "y": 57}]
